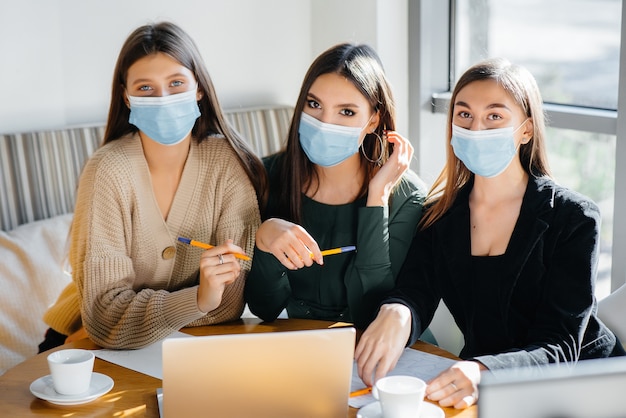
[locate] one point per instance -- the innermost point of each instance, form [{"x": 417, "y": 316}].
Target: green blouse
[{"x": 349, "y": 286}]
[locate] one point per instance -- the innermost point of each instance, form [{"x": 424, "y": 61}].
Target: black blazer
[{"x": 542, "y": 308}]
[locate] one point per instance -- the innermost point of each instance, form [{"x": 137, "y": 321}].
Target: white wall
[
  {"x": 383, "y": 24},
  {"x": 57, "y": 56},
  {"x": 30, "y": 65}
]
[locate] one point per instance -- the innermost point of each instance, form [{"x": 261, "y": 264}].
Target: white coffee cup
[
  {"x": 400, "y": 396},
  {"x": 71, "y": 370}
]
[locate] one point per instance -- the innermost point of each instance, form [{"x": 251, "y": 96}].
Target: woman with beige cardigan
[{"x": 169, "y": 167}]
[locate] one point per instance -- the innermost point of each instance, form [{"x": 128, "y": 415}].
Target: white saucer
[
  {"x": 43, "y": 388},
  {"x": 373, "y": 410}
]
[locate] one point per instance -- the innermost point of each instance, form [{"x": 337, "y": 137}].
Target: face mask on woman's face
[
  {"x": 487, "y": 152},
  {"x": 326, "y": 144},
  {"x": 167, "y": 119}
]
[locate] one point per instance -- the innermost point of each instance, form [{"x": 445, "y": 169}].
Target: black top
[
  {"x": 484, "y": 321},
  {"x": 534, "y": 306}
]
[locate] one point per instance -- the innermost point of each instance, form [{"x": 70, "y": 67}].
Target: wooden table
[{"x": 134, "y": 393}]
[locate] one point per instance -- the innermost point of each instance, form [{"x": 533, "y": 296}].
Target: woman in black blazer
[{"x": 511, "y": 253}]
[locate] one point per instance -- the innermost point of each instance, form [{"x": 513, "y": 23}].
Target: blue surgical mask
[
  {"x": 487, "y": 152},
  {"x": 326, "y": 144},
  {"x": 167, "y": 119}
]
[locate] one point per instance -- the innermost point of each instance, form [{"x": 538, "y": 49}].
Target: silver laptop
[
  {"x": 275, "y": 375},
  {"x": 589, "y": 389}
]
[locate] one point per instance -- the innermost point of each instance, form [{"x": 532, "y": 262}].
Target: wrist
[
  {"x": 377, "y": 199},
  {"x": 378, "y": 196},
  {"x": 397, "y": 310},
  {"x": 259, "y": 241},
  {"x": 208, "y": 300}
]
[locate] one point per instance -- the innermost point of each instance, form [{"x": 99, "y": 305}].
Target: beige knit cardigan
[{"x": 133, "y": 282}]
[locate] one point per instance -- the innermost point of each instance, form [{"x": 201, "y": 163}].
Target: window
[
  {"x": 572, "y": 47},
  {"x": 585, "y": 162}
]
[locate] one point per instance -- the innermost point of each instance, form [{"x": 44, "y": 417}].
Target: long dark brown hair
[
  {"x": 360, "y": 65},
  {"x": 522, "y": 87},
  {"x": 168, "y": 38}
]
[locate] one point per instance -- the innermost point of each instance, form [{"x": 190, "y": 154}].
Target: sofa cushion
[
  {"x": 32, "y": 276},
  {"x": 265, "y": 128},
  {"x": 39, "y": 172}
]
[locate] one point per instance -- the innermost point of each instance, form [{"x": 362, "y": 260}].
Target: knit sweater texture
[{"x": 133, "y": 282}]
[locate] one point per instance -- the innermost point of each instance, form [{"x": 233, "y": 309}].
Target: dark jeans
[{"x": 52, "y": 339}]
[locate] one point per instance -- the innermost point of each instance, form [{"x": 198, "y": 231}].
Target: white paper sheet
[
  {"x": 147, "y": 360},
  {"x": 412, "y": 363}
]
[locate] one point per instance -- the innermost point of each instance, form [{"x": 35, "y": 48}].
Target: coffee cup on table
[
  {"x": 400, "y": 396},
  {"x": 71, "y": 370}
]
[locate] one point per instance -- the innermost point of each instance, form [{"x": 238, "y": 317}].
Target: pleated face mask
[
  {"x": 486, "y": 153},
  {"x": 326, "y": 144},
  {"x": 166, "y": 119}
]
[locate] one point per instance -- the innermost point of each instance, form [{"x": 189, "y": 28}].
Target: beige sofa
[{"x": 38, "y": 178}]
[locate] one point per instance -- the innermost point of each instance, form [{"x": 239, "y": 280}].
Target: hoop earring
[{"x": 380, "y": 157}]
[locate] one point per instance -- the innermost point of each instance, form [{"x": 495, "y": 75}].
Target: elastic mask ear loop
[
  {"x": 519, "y": 146},
  {"x": 521, "y": 124}
]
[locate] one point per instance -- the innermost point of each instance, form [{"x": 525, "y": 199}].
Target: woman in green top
[{"x": 343, "y": 179}]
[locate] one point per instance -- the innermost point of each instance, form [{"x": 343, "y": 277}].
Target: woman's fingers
[
  {"x": 382, "y": 343},
  {"x": 291, "y": 244},
  {"x": 382, "y": 184},
  {"x": 218, "y": 268},
  {"x": 402, "y": 152},
  {"x": 456, "y": 386}
]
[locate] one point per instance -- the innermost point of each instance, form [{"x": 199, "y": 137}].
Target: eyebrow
[
  {"x": 317, "y": 99},
  {"x": 491, "y": 106},
  {"x": 147, "y": 80}
]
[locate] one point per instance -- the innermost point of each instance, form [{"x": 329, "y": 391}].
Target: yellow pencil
[
  {"x": 360, "y": 392},
  {"x": 338, "y": 250},
  {"x": 199, "y": 244}
]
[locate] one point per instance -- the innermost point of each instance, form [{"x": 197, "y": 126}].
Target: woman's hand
[
  {"x": 456, "y": 386},
  {"x": 290, "y": 243},
  {"x": 218, "y": 268},
  {"x": 391, "y": 172},
  {"x": 383, "y": 342}
]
